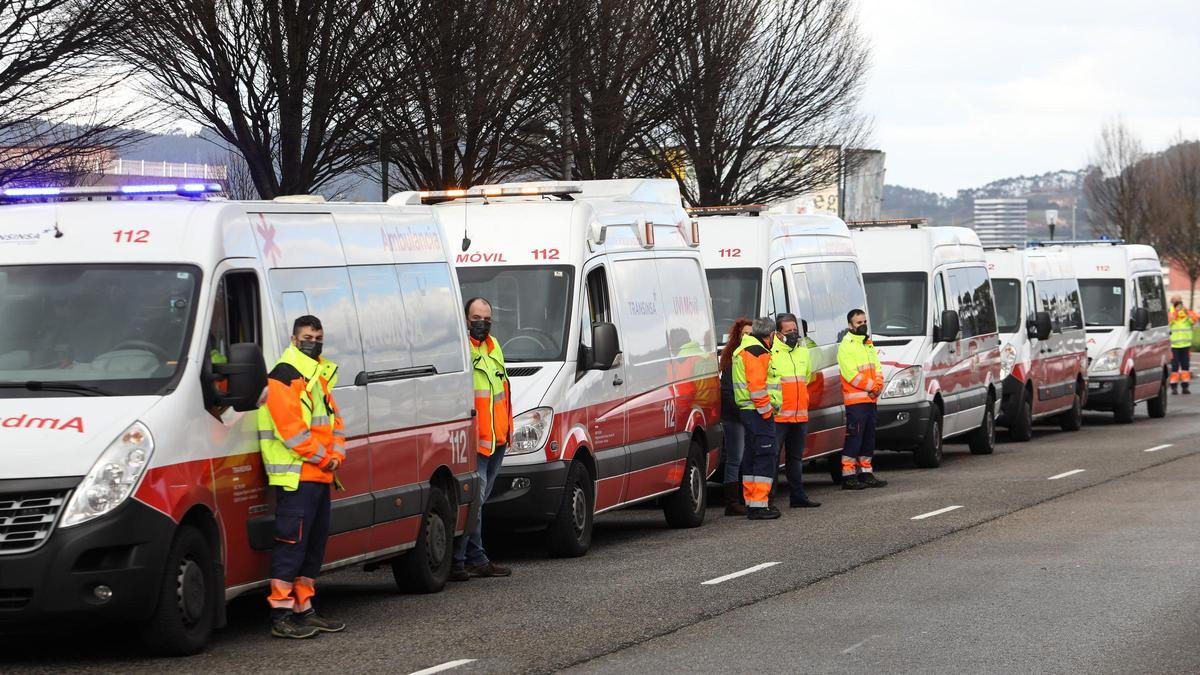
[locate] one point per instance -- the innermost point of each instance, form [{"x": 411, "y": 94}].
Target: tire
[
  {"x": 183, "y": 620},
  {"x": 686, "y": 506},
  {"x": 1072, "y": 420},
  {"x": 426, "y": 568},
  {"x": 1157, "y": 406},
  {"x": 570, "y": 535},
  {"x": 982, "y": 441},
  {"x": 928, "y": 454},
  {"x": 1123, "y": 410},
  {"x": 1021, "y": 429}
]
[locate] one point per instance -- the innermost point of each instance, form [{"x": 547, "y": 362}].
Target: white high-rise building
[{"x": 1002, "y": 222}]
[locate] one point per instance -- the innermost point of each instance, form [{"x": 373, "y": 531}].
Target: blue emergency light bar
[{"x": 33, "y": 194}]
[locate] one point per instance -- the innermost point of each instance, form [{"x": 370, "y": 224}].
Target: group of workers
[
  {"x": 765, "y": 369},
  {"x": 302, "y": 439}
]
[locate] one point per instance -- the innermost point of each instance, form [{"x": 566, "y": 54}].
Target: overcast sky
[{"x": 964, "y": 92}]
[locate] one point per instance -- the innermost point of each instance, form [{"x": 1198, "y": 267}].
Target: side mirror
[
  {"x": 1140, "y": 320},
  {"x": 244, "y": 376},
  {"x": 1040, "y": 327},
  {"x": 605, "y": 346},
  {"x": 950, "y": 328}
]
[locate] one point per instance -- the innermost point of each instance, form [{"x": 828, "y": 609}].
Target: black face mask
[
  {"x": 480, "y": 329},
  {"x": 791, "y": 339},
  {"x": 862, "y": 330},
  {"x": 310, "y": 348}
]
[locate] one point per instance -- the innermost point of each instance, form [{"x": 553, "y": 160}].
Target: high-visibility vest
[
  {"x": 792, "y": 367},
  {"x": 1182, "y": 321},
  {"x": 860, "y": 369},
  {"x": 492, "y": 397},
  {"x": 316, "y": 438},
  {"x": 752, "y": 376}
]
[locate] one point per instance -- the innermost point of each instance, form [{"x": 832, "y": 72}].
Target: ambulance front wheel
[
  {"x": 183, "y": 620},
  {"x": 570, "y": 535},
  {"x": 426, "y": 568}
]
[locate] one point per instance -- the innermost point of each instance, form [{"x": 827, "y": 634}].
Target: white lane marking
[
  {"x": 748, "y": 570},
  {"x": 1064, "y": 474},
  {"x": 939, "y": 512},
  {"x": 856, "y": 645},
  {"x": 445, "y": 666},
  {"x": 1158, "y": 447}
]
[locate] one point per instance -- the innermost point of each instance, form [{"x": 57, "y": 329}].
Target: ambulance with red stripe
[
  {"x": 600, "y": 304},
  {"x": 1043, "y": 355},
  {"x": 764, "y": 264},
  {"x": 1128, "y": 332},
  {"x": 136, "y": 321},
  {"x": 932, "y": 318}
]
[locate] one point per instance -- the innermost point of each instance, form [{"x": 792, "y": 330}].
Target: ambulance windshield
[
  {"x": 896, "y": 302},
  {"x": 1008, "y": 304},
  {"x": 530, "y": 308},
  {"x": 116, "y": 330},
  {"x": 734, "y": 295},
  {"x": 1103, "y": 301}
]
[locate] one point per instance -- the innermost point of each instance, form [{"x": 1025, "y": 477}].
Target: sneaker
[
  {"x": 853, "y": 483},
  {"x": 490, "y": 569},
  {"x": 803, "y": 503},
  {"x": 870, "y": 480},
  {"x": 1174, "y": 389},
  {"x": 287, "y": 628},
  {"x": 774, "y": 509},
  {"x": 314, "y": 620},
  {"x": 459, "y": 574},
  {"x": 762, "y": 513}
]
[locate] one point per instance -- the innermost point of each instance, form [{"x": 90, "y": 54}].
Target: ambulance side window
[
  {"x": 939, "y": 303},
  {"x": 1031, "y": 302},
  {"x": 779, "y": 295},
  {"x": 236, "y": 318},
  {"x": 599, "y": 306}
]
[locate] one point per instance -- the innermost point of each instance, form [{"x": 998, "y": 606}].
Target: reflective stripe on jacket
[
  {"x": 493, "y": 409},
  {"x": 860, "y": 369},
  {"x": 793, "y": 369},
  {"x": 299, "y": 427},
  {"x": 1182, "y": 321},
  {"x": 751, "y": 369}
]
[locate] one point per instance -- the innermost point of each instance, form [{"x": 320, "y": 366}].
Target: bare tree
[
  {"x": 763, "y": 101},
  {"x": 1175, "y": 195},
  {"x": 1116, "y": 185},
  {"x": 466, "y": 87},
  {"x": 54, "y": 125},
  {"x": 281, "y": 81}
]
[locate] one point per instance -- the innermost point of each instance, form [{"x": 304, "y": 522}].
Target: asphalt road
[{"x": 1092, "y": 571}]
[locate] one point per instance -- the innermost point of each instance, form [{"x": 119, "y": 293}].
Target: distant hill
[{"x": 1057, "y": 190}]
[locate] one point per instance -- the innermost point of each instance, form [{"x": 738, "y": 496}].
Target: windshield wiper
[{"x": 34, "y": 385}]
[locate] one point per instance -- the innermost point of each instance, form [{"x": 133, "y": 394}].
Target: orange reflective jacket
[{"x": 493, "y": 407}]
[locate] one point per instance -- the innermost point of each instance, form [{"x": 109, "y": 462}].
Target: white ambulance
[
  {"x": 131, "y": 361},
  {"x": 600, "y": 304},
  {"x": 1043, "y": 353},
  {"x": 933, "y": 321},
  {"x": 1128, "y": 336},
  {"x": 764, "y": 264}
]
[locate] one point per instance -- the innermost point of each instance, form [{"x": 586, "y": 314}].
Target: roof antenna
[
  {"x": 54, "y": 228},
  {"x": 466, "y": 242}
]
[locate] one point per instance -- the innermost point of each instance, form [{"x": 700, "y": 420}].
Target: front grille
[
  {"x": 27, "y": 519},
  {"x": 14, "y": 598}
]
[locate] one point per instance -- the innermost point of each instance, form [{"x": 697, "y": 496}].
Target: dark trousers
[
  {"x": 1181, "y": 365},
  {"x": 760, "y": 459},
  {"x": 860, "y": 438},
  {"x": 301, "y": 530},
  {"x": 790, "y": 437},
  {"x": 468, "y": 549}
]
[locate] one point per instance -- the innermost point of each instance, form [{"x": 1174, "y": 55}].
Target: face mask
[
  {"x": 862, "y": 330},
  {"x": 791, "y": 339},
  {"x": 480, "y": 329},
  {"x": 310, "y": 348}
]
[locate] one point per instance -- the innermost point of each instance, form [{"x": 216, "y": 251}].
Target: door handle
[{"x": 617, "y": 381}]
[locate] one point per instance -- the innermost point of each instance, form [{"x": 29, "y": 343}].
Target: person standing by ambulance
[
  {"x": 302, "y": 439},
  {"x": 731, "y": 421},
  {"x": 790, "y": 361},
  {"x": 751, "y": 390},
  {"x": 493, "y": 415},
  {"x": 1182, "y": 320},
  {"x": 862, "y": 381}
]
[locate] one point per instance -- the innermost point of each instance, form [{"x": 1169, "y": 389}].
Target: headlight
[
  {"x": 1008, "y": 359},
  {"x": 1107, "y": 362},
  {"x": 903, "y": 383},
  {"x": 531, "y": 430},
  {"x": 113, "y": 477}
]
